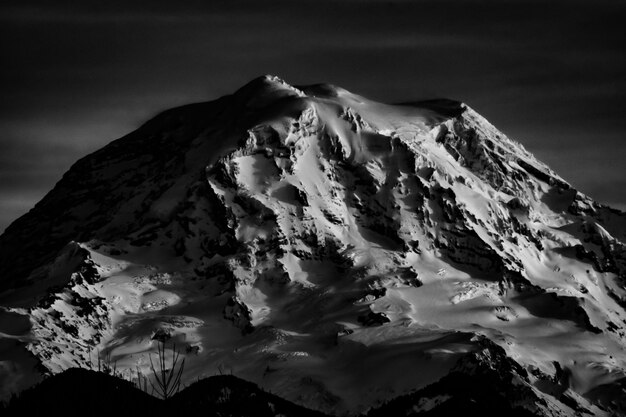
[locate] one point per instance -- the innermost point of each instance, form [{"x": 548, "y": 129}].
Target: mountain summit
[{"x": 337, "y": 251}]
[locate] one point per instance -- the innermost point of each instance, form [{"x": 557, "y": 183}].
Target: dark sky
[{"x": 76, "y": 75}]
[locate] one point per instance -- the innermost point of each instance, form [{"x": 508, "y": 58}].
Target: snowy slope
[{"x": 332, "y": 249}]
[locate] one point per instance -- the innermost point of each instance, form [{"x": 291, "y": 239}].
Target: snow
[
  {"x": 426, "y": 404},
  {"x": 297, "y": 220}
]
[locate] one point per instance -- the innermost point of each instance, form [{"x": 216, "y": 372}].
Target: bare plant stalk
[{"x": 166, "y": 380}]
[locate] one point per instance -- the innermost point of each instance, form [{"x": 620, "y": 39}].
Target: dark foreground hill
[
  {"x": 471, "y": 389},
  {"x": 81, "y": 392}
]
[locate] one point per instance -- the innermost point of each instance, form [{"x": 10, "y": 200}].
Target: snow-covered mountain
[{"x": 335, "y": 250}]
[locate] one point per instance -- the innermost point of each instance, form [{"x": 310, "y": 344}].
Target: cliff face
[{"x": 333, "y": 249}]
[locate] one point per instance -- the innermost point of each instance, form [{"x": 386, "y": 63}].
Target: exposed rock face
[{"x": 317, "y": 242}]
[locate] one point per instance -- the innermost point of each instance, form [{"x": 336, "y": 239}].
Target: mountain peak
[
  {"x": 297, "y": 233},
  {"x": 323, "y": 90},
  {"x": 264, "y": 89}
]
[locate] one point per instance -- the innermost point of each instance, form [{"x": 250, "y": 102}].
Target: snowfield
[{"x": 335, "y": 250}]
